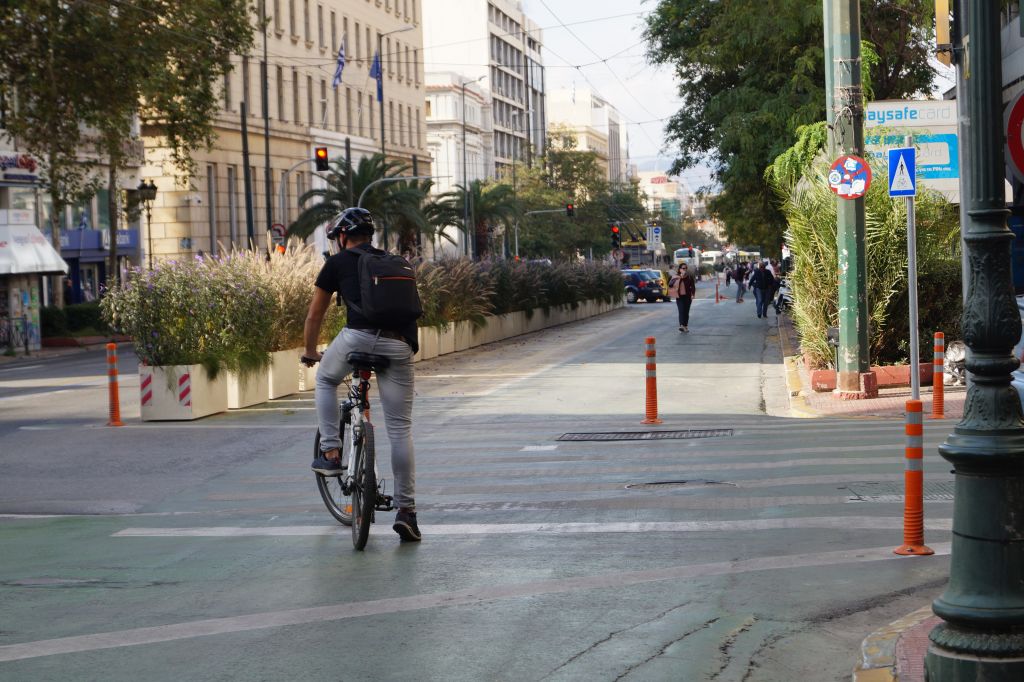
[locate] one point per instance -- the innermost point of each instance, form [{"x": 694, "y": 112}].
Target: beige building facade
[{"x": 208, "y": 212}]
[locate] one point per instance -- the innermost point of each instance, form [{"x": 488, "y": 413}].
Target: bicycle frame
[{"x": 357, "y": 407}]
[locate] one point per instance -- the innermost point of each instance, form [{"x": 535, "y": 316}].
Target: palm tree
[
  {"x": 391, "y": 203},
  {"x": 488, "y": 206}
]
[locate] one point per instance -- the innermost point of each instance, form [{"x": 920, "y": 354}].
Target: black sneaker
[
  {"x": 405, "y": 526},
  {"x": 327, "y": 467}
]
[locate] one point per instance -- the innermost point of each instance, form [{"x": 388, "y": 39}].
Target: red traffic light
[
  {"x": 570, "y": 210},
  {"x": 320, "y": 156},
  {"x": 615, "y": 229}
]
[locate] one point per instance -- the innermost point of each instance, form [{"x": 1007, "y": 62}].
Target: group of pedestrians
[{"x": 759, "y": 278}]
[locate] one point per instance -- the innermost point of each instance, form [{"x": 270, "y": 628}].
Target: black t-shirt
[{"x": 340, "y": 275}]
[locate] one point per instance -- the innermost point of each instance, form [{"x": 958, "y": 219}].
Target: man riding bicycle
[{"x": 353, "y": 229}]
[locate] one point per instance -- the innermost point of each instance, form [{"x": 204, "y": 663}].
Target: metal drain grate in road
[
  {"x": 878, "y": 491},
  {"x": 689, "y": 483},
  {"x": 648, "y": 435}
]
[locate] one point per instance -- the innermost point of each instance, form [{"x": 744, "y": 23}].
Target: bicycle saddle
[{"x": 368, "y": 361}]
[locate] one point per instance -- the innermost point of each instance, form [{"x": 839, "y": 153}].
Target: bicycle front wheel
[
  {"x": 364, "y": 488},
  {"x": 332, "y": 488}
]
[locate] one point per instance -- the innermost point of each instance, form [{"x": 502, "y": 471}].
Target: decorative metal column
[{"x": 982, "y": 637}]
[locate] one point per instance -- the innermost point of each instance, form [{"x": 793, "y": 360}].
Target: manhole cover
[
  {"x": 648, "y": 435},
  {"x": 883, "y": 491},
  {"x": 689, "y": 483}
]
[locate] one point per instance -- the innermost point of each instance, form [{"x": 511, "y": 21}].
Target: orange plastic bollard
[
  {"x": 112, "y": 389},
  {"x": 913, "y": 481},
  {"x": 938, "y": 377},
  {"x": 717, "y": 297},
  {"x": 652, "y": 384}
]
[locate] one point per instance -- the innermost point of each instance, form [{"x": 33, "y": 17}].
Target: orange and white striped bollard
[
  {"x": 652, "y": 383},
  {"x": 112, "y": 386},
  {"x": 938, "y": 377},
  {"x": 913, "y": 481}
]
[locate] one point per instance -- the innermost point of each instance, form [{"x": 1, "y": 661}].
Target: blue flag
[
  {"x": 341, "y": 65},
  {"x": 377, "y": 73}
]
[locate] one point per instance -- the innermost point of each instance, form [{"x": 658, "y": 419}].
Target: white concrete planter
[
  {"x": 283, "y": 373},
  {"x": 248, "y": 389},
  {"x": 180, "y": 392},
  {"x": 307, "y": 375},
  {"x": 446, "y": 340},
  {"x": 463, "y": 335},
  {"x": 428, "y": 344}
]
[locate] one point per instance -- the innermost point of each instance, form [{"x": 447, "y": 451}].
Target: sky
[{"x": 601, "y": 46}]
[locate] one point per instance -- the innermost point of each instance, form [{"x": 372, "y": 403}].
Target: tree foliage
[{"x": 750, "y": 73}]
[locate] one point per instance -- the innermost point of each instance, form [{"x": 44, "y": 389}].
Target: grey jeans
[{"x": 395, "y": 387}]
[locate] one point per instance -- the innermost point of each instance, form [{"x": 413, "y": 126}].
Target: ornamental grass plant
[
  {"x": 810, "y": 209},
  {"x": 214, "y": 312}
]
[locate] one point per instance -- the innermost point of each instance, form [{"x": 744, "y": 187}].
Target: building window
[
  {"x": 428, "y": 109},
  {"x": 211, "y": 205},
  {"x": 369, "y": 113},
  {"x": 305, "y": 21},
  {"x": 359, "y": 50},
  {"x": 398, "y": 59},
  {"x": 419, "y": 133},
  {"x": 401, "y": 126},
  {"x": 280, "y": 94},
  {"x": 291, "y": 18},
  {"x": 348, "y": 110},
  {"x": 337, "y": 109},
  {"x": 295, "y": 96},
  {"x": 414, "y": 11},
  {"x": 323, "y": 105},
  {"x": 286, "y": 210},
  {"x": 334, "y": 33},
  {"x": 232, "y": 190},
  {"x": 391, "y": 120},
  {"x": 277, "y": 16},
  {"x": 227, "y": 90},
  {"x": 368, "y": 48},
  {"x": 309, "y": 99},
  {"x": 245, "y": 82},
  {"x": 300, "y": 187},
  {"x": 390, "y": 55},
  {"x": 320, "y": 26}
]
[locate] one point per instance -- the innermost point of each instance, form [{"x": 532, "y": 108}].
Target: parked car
[
  {"x": 659, "y": 277},
  {"x": 640, "y": 285}
]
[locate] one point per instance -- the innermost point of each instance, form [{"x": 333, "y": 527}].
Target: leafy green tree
[
  {"x": 750, "y": 72},
  {"x": 81, "y": 73}
]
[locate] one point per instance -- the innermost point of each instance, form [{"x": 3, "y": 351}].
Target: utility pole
[
  {"x": 846, "y": 136},
  {"x": 983, "y": 605},
  {"x": 268, "y": 181}
]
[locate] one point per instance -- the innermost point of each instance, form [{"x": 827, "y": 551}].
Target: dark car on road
[{"x": 641, "y": 285}]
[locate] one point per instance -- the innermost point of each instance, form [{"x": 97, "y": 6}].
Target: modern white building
[
  {"x": 667, "y": 195},
  {"x": 597, "y": 125},
  {"x": 491, "y": 42}
]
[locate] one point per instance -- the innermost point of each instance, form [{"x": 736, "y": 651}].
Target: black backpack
[{"x": 387, "y": 289}]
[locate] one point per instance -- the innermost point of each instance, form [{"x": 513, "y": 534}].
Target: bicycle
[{"x": 353, "y": 495}]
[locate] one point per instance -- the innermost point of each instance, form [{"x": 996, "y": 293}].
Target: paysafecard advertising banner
[{"x": 933, "y": 125}]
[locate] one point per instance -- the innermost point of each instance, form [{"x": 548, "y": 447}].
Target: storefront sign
[{"x": 18, "y": 167}]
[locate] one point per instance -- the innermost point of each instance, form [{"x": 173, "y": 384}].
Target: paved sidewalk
[{"x": 891, "y": 402}]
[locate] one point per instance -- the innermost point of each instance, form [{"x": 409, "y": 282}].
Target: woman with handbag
[{"x": 684, "y": 288}]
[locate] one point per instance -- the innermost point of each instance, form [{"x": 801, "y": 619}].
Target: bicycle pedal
[{"x": 384, "y": 503}]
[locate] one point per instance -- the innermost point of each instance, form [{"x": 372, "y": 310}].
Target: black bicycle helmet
[{"x": 351, "y": 221}]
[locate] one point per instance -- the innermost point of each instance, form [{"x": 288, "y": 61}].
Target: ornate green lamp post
[{"x": 982, "y": 637}]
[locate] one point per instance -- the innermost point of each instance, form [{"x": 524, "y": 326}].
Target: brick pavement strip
[{"x": 896, "y": 652}]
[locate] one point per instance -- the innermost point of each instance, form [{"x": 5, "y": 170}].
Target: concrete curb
[
  {"x": 878, "y": 660},
  {"x": 798, "y": 406}
]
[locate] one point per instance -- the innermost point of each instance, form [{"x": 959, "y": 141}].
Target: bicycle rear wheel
[
  {"x": 337, "y": 501},
  {"x": 364, "y": 488}
]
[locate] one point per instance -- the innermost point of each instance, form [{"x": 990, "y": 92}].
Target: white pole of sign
[{"x": 915, "y": 344}]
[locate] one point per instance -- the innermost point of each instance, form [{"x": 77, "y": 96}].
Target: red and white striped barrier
[
  {"x": 185, "y": 390},
  {"x": 146, "y": 389}
]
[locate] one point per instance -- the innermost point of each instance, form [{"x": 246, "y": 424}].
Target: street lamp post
[
  {"x": 982, "y": 637},
  {"x": 465, "y": 164},
  {"x": 147, "y": 192}
]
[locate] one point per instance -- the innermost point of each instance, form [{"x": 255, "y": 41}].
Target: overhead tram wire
[{"x": 605, "y": 62}]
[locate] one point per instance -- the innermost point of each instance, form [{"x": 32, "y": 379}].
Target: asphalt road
[{"x": 758, "y": 550}]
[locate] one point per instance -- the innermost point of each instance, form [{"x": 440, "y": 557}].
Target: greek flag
[
  {"x": 376, "y": 72},
  {"x": 341, "y": 65}
]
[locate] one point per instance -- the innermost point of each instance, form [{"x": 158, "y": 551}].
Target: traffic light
[
  {"x": 616, "y": 237},
  {"x": 320, "y": 155},
  {"x": 570, "y": 210}
]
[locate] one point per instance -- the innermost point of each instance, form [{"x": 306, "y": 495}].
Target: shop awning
[{"x": 24, "y": 249}]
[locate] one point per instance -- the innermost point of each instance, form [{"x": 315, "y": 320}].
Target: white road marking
[
  {"x": 538, "y": 448},
  {"x": 826, "y": 522},
  {"x": 20, "y": 367},
  {"x": 614, "y": 580}
]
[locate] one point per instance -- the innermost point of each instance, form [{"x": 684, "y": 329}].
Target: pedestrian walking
[
  {"x": 684, "y": 288},
  {"x": 741, "y": 281},
  {"x": 763, "y": 284}
]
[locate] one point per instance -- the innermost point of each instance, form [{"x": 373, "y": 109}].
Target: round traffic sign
[
  {"x": 278, "y": 233},
  {"x": 849, "y": 177},
  {"x": 1014, "y": 133}
]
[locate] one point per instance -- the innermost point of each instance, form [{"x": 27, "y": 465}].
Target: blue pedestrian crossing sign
[{"x": 902, "y": 177}]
